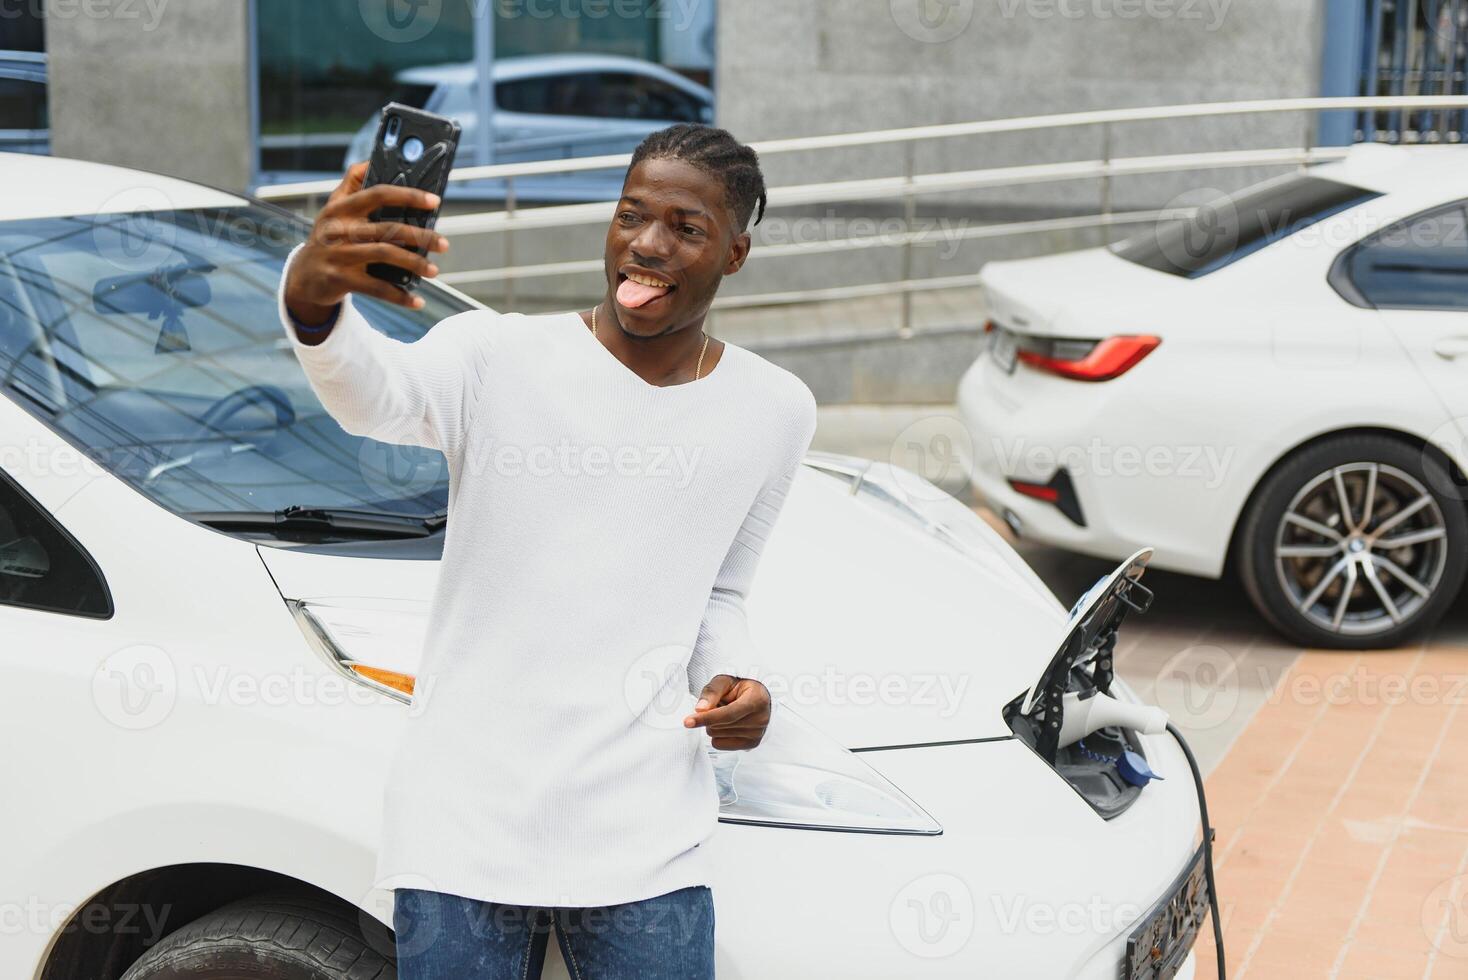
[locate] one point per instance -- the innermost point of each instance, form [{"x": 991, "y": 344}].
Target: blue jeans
[{"x": 450, "y": 937}]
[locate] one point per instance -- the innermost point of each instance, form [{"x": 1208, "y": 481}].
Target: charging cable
[{"x": 1207, "y": 847}]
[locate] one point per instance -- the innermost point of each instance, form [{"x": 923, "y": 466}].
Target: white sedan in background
[
  {"x": 551, "y": 107},
  {"x": 213, "y": 601},
  {"x": 1277, "y": 383}
]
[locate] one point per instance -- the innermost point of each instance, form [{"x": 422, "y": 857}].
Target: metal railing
[{"x": 907, "y": 187}]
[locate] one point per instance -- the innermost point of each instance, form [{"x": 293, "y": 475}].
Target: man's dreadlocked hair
[{"x": 715, "y": 152}]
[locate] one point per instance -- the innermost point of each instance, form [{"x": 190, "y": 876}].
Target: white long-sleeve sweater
[{"x": 602, "y": 535}]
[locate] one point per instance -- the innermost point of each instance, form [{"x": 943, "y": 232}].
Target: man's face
[{"x": 675, "y": 233}]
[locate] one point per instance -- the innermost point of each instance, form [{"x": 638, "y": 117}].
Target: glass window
[
  {"x": 41, "y": 566},
  {"x": 1421, "y": 263},
  {"x": 1221, "y": 232},
  {"x": 151, "y": 341},
  {"x": 22, "y": 104},
  {"x": 412, "y": 94},
  {"x": 523, "y": 94},
  {"x": 633, "y": 96},
  {"x": 326, "y": 67}
]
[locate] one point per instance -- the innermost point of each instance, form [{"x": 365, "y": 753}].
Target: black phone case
[{"x": 430, "y": 172}]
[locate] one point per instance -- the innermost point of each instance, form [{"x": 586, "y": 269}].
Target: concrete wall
[
  {"x": 831, "y": 66},
  {"x": 159, "y": 86}
]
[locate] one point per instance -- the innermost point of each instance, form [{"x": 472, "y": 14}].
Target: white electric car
[
  {"x": 1276, "y": 382},
  {"x": 213, "y": 600}
]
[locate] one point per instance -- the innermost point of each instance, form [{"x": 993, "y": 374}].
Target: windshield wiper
[{"x": 341, "y": 519}]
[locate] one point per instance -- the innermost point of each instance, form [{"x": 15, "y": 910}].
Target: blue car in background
[{"x": 24, "y": 124}]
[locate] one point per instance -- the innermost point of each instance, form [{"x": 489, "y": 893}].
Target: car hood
[
  {"x": 880, "y": 632},
  {"x": 1074, "y": 293}
]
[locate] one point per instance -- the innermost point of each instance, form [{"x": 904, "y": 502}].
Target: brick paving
[{"x": 1342, "y": 815}]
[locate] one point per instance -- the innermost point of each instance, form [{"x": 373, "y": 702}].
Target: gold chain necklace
[{"x": 697, "y": 371}]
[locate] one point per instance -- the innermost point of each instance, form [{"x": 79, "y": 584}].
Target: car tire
[
  {"x": 1306, "y": 570},
  {"x": 273, "y": 937}
]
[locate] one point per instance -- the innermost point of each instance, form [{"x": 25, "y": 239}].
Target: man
[{"x": 556, "y": 780}]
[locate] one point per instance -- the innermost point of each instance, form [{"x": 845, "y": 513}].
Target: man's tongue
[{"x": 634, "y": 294}]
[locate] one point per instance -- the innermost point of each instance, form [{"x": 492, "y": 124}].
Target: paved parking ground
[{"x": 1337, "y": 782}]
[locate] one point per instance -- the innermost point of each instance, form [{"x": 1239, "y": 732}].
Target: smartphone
[{"x": 413, "y": 149}]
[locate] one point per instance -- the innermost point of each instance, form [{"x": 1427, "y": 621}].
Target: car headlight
[
  {"x": 801, "y": 778},
  {"x": 375, "y": 642},
  {"x": 798, "y": 777}
]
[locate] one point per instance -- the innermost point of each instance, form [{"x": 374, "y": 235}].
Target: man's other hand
[{"x": 735, "y": 710}]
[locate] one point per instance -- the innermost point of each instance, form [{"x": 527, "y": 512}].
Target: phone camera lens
[
  {"x": 412, "y": 149},
  {"x": 390, "y": 135}
]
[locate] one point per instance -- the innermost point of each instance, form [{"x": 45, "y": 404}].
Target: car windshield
[
  {"x": 1221, "y": 232},
  {"x": 151, "y": 342}
]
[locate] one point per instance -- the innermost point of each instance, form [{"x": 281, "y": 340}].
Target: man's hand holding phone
[{"x": 345, "y": 240}]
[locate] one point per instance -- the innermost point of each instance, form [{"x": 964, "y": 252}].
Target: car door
[{"x": 1415, "y": 274}]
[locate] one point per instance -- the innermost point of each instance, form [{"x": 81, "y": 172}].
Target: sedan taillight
[{"x": 1085, "y": 360}]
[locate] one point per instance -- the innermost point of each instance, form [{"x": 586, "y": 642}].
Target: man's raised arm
[{"x": 373, "y": 385}]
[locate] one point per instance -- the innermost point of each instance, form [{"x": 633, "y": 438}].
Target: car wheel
[
  {"x": 1355, "y": 542},
  {"x": 269, "y": 938}
]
